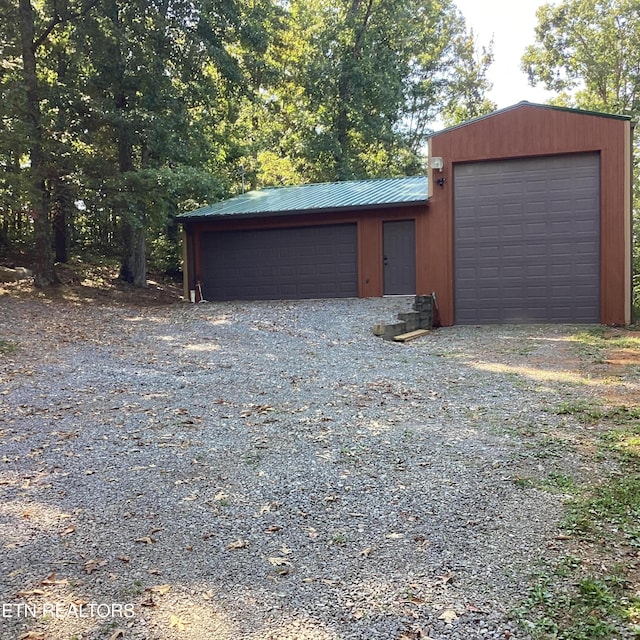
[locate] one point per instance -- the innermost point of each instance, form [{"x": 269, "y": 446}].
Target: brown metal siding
[
  {"x": 369, "y": 236},
  {"x": 526, "y": 131},
  {"x": 370, "y": 257}
]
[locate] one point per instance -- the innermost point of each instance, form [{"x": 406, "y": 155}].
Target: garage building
[
  {"x": 523, "y": 216},
  {"x": 342, "y": 239}
]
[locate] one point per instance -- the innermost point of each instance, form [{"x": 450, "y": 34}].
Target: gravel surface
[{"x": 273, "y": 470}]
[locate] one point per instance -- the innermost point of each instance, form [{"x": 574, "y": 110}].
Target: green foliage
[
  {"x": 356, "y": 87},
  {"x": 589, "y": 49},
  {"x": 143, "y": 110},
  {"x": 7, "y": 347},
  {"x": 597, "y": 607}
]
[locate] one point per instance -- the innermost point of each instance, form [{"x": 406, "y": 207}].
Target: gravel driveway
[{"x": 273, "y": 470}]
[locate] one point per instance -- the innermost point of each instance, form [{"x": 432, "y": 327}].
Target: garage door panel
[
  {"x": 305, "y": 262},
  {"x": 540, "y": 234}
]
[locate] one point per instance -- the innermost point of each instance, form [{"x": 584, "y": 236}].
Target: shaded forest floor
[{"x": 85, "y": 282}]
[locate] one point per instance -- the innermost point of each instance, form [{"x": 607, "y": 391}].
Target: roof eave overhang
[{"x": 301, "y": 212}]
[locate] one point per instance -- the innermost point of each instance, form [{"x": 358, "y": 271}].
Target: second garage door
[
  {"x": 267, "y": 264},
  {"x": 526, "y": 239}
]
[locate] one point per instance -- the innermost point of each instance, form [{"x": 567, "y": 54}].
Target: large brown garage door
[
  {"x": 527, "y": 245},
  {"x": 268, "y": 264}
]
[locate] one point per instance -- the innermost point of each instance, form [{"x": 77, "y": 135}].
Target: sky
[{"x": 512, "y": 24}]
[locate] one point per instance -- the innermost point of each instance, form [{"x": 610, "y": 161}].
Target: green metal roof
[{"x": 315, "y": 198}]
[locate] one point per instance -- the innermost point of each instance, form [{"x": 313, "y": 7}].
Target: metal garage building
[
  {"x": 527, "y": 220},
  {"x": 533, "y": 220},
  {"x": 343, "y": 239}
]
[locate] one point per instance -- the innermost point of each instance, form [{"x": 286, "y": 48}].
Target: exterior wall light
[{"x": 437, "y": 163}]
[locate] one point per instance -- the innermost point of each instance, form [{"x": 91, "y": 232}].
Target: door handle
[{"x": 385, "y": 260}]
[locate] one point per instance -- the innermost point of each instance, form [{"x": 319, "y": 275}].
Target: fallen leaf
[
  {"x": 160, "y": 588},
  {"x": 148, "y": 602},
  {"x": 273, "y": 528},
  {"x": 448, "y": 615},
  {"x": 366, "y": 552},
  {"x": 32, "y": 635},
  {"x": 65, "y": 435},
  {"x": 279, "y": 562},
  {"x": 124, "y": 558},
  {"x": 51, "y": 580},
  {"x": 31, "y": 593},
  {"x": 448, "y": 577},
  {"x": 238, "y": 544},
  {"x": 146, "y": 540},
  {"x": 154, "y": 572},
  {"x": 415, "y": 633},
  {"x": 68, "y": 531},
  {"x": 177, "y": 623},
  {"x": 91, "y": 565},
  {"x": 473, "y": 609},
  {"x": 118, "y": 633},
  {"x": 285, "y": 550},
  {"x": 394, "y": 536}
]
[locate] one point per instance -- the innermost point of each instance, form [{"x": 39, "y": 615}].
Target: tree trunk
[
  {"x": 61, "y": 219},
  {"x": 133, "y": 266},
  {"x": 45, "y": 274},
  {"x": 63, "y": 193}
]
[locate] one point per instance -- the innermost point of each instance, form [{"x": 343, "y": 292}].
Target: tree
[
  {"x": 29, "y": 43},
  {"x": 13, "y": 141},
  {"x": 159, "y": 78},
  {"x": 589, "y": 52},
  {"x": 358, "y": 84},
  {"x": 32, "y": 124},
  {"x": 119, "y": 114}
]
